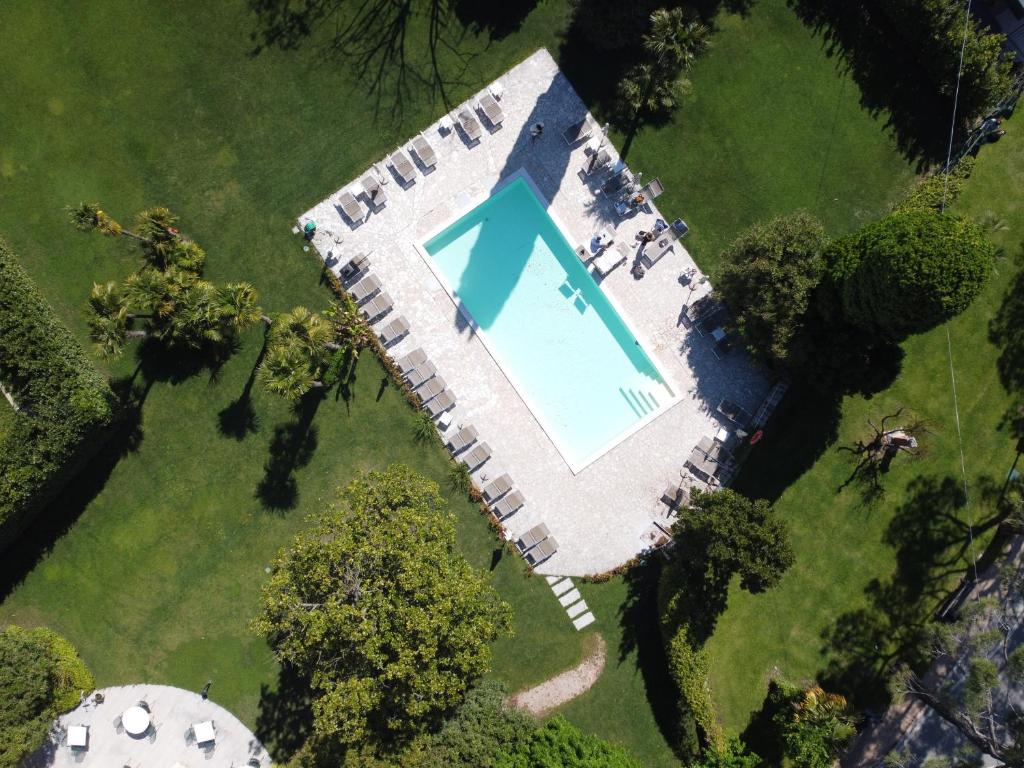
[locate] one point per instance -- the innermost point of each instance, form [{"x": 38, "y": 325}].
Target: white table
[
  {"x": 135, "y": 721},
  {"x": 78, "y": 736},
  {"x": 204, "y": 732}
]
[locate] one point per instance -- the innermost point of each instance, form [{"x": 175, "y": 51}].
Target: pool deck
[{"x": 600, "y": 516}]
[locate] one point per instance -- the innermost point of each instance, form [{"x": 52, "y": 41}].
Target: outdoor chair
[
  {"x": 374, "y": 190},
  {"x": 508, "y": 505},
  {"x": 431, "y": 387},
  {"x": 734, "y": 413},
  {"x": 532, "y": 537},
  {"x": 675, "y": 496},
  {"x": 412, "y": 360},
  {"x": 497, "y": 488},
  {"x": 496, "y": 89},
  {"x": 364, "y": 289},
  {"x": 597, "y": 161},
  {"x": 701, "y": 307},
  {"x": 611, "y": 258},
  {"x": 579, "y": 131},
  {"x": 421, "y": 374},
  {"x": 721, "y": 342},
  {"x": 491, "y": 109},
  {"x": 462, "y": 439},
  {"x": 355, "y": 267},
  {"x": 617, "y": 182},
  {"x": 470, "y": 125},
  {"x": 440, "y": 405},
  {"x": 424, "y": 151},
  {"x": 354, "y": 210},
  {"x": 403, "y": 167},
  {"x": 394, "y": 331},
  {"x": 656, "y": 254},
  {"x": 705, "y": 444},
  {"x": 476, "y": 456},
  {"x": 542, "y": 552},
  {"x": 653, "y": 189},
  {"x": 378, "y": 306}
]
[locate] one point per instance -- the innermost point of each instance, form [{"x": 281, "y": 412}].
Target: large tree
[
  {"x": 376, "y": 606},
  {"x": 911, "y": 271},
  {"x": 768, "y": 277},
  {"x": 40, "y": 677}
]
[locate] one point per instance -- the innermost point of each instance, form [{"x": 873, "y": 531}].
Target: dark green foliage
[
  {"x": 814, "y": 725},
  {"x": 768, "y": 277},
  {"x": 732, "y": 754},
  {"x": 559, "y": 744},
  {"x": 911, "y": 271},
  {"x": 40, "y": 677},
  {"x": 938, "y": 191},
  {"x": 65, "y": 403}
]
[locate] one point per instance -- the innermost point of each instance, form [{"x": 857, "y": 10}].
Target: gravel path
[{"x": 565, "y": 686}]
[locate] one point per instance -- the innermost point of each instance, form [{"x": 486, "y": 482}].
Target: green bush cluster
[
  {"x": 65, "y": 404},
  {"x": 688, "y": 664},
  {"x": 41, "y": 676}
]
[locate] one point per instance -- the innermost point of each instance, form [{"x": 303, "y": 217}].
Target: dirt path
[{"x": 565, "y": 686}]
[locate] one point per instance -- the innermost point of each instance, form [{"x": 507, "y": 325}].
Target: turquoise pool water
[{"x": 550, "y": 327}]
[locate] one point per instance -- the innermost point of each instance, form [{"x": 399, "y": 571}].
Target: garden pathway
[{"x": 565, "y": 686}]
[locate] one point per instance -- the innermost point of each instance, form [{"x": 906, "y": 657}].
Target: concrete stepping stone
[
  {"x": 569, "y": 598},
  {"x": 583, "y": 621},
  {"x": 562, "y": 587},
  {"x": 553, "y": 579},
  {"x": 576, "y": 610}
]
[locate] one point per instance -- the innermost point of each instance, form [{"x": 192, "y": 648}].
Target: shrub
[
  {"x": 913, "y": 270},
  {"x": 66, "y": 404},
  {"x": 688, "y": 665},
  {"x": 559, "y": 744},
  {"x": 933, "y": 191},
  {"x": 41, "y": 676}
]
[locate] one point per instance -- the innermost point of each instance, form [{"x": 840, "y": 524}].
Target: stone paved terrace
[
  {"x": 167, "y": 744},
  {"x": 600, "y": 515}
]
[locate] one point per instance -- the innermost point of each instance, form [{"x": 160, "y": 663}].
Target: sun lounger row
[
  {"x": 710, "y": 462},
  {"x": 537, "y": 545}
]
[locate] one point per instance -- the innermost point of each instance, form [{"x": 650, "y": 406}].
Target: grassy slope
[
  {"x": 839, "y": 540},
  {"x": 171, "y": 109}
]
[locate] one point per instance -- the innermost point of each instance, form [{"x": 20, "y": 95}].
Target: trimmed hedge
[{"x": 66, "y": 405}]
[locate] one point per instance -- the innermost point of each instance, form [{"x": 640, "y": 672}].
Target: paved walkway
[
  {"x": 167, "y": 743},
  {"x": 566, "y": 686},
  {"x": 604, "y": 515}
]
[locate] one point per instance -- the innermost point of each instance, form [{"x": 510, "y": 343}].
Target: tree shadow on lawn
[
  {"x": 291, "y": 448},
  {"x": 238, "y": 419},
  {"x": 1006, "y": 331},
  {"x": 285, "y": 718},
  {"x": 641, "y": 633}
]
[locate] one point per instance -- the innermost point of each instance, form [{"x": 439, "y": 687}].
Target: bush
[
  {"x": 913, "y": 270},
  {"x": 65, "y": 404},
  {"x": 41, "y": 676},
  {"x": 559, "y": 744},
  {"x": 938, "y": 189},
  {"x": 688, "y": 665}
]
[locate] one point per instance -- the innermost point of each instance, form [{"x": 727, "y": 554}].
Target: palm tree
[
  {"x": 304, "y": 329},
  {"x": 156, "y": 291},
  {"x": 286, "y": 371},
  {"x": 351, "y": 329},
  {"x": 89, "y": 216},
  {"x": 239, "y": 308},
  {"x": 674, "y": 41},
  {"x": 110, "y": 324},
  {"x": 198, "y": 317}
]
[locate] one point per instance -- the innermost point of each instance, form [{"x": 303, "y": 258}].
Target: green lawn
[
  {"x": 159, "y": 568},
  {"x": 840, "y": 541}
]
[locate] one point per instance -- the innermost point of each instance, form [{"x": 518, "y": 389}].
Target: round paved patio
[{"x": 169, "y": 740}]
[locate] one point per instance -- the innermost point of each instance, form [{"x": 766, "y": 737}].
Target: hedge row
[{"x": 65, "y": 405}]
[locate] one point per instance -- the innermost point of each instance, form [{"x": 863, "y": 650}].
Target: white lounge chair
[
  {"x": 508, "y": 505},
  {"x": 611, "y": 258},
  {"x": 476, "y": 456},
  {"x": 491, "y": 109},
  {"x": 439, "y": 405},
  {"x": 364, "y": 289},
  {"x": 374, "y": 190},
  {"x": 579, "y": 131},
  {"x": 356, "y": 267},
  {"x": 652, "y": 189},
  {"x": 461, "y": 440},
  {"x": 379, "y": 305},
  {"x": 410, "y": 361},
  {"x": 421, "y": 374},
  {"x": 470, "y": 125},
  {"x": 403, "y": 167},
  {"x": 542, "y": 551},
  {"x": 424, "y": 151},
  {"x": 497, "y": 488},
  {"x": 354, "y": 210},
  {"x": 533, "y": 537},
  {"x": 394, "y": 331},
  {"x": 431, "y": 388},
  {"x": 496, "y": 89}
]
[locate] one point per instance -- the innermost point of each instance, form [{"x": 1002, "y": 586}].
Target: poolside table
[
  {"x": 135, "y": 721},
  {"x": 204, "y": 732}
]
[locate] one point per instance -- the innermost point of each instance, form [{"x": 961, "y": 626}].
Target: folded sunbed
[
  {"x": 579, "y": 131},
  {"x": 415, "y": 358},
  {"x": 440, "y": 404},
  {"x": 354, "y": 210},
  {"x": 403, "y": 166},
  {"x": 424, "y": 151},
  {"x": 364, "y": 289},
  {"x": 477, "y": 455},
  {"x": 394, "y": 330},
  {"x": 533, "y": 537},
  {"x": 508, "y": 505},
  {"x": 470, "y": 125},
  {"x": 421, "y": 374},
  {"x": 542, "y": 552},
  {"x": 497, "y": 488},
  {"x": 379, "y": 305},
  {"x": 461, "y": 440},
  {"x": 491, "y": 109},
  {"x": 432, "y": 387}
]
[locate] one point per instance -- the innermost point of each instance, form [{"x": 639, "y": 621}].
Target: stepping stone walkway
[{"x": 573, "y": 602}]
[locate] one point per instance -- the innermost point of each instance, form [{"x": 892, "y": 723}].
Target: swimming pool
[{"x": 552, "y": 330}]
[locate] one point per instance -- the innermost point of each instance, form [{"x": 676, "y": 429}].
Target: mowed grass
[
  {"x": 159, "y": 572},
  {"x": 839, "y": 540}
]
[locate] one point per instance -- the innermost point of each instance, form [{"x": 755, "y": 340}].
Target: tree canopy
[
  {"x": 374, "y": 604},
  {"x": 911, "y": 271},
  {"x": 559, "y": 744},
  {"x": 40, "y": 677},
  {"x": 768, "y": 278},
  {"x": 815, "y": 726}
]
